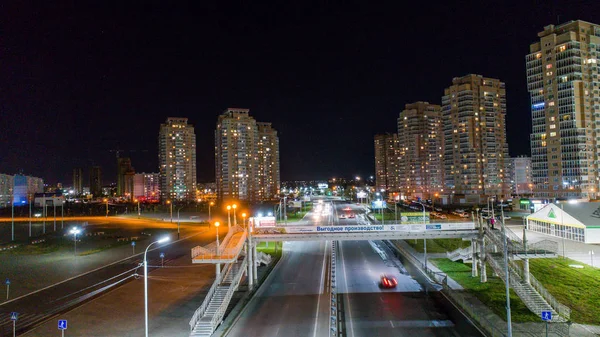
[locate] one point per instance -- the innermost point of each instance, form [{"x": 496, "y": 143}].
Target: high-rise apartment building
[
  {"x": 96, "y": 181},
  {"x": 563, "y": 83},
  {"x": 520, "y": 175},
  {"x": 242, "y": 161},
  {"x": 387, "y": 162},
  {"x": 267, "y": 149},
  {"x": 421, "y": 141},
  {"x": 78, "y": 181},
  {"x": 177, "y": 160},
  {"x": 146, "y": 186},
  {"x": 125, "y": 174},
  {"x": 475, "y": 147}
]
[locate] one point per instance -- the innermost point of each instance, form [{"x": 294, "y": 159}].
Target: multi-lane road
[{"x": 293, "y": 301}]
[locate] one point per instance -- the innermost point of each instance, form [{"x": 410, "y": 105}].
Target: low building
[{"x": 573, "y": 221}]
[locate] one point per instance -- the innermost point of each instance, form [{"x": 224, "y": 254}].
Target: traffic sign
[
  {"x": 162, "y": 255},
  {"x": 133, "y": 243},
  {"x": 62, "y": 324},
  {"x": 7, "y": 282},
  {"x": 14, "y": 316},
  {"x": 546, "y": 315}
]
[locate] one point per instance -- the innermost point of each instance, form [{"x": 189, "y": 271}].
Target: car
[
  {"x": 438, "y": 209},
  {"x": 347, "y": 208},
  {"x": 388, "y": 281},
  {"x": 507, "y": 217},
  {"x": 342, "y": 216},
  {"x": 352, "y": 216}
]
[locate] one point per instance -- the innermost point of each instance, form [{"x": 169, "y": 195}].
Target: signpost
[
  {"x": 7, "y": 282},
  {"x": 162, "y": 259},
  {"x": 133, "y": 246},
  {"x": 62, "y": 326},
  {"x": 546, "y": 317},
  {"x": 13, "y": 317}
]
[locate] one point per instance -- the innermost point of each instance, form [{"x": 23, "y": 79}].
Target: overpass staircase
[
  {"x": 210, "y": 314},
  {"x": 527, "y": 287}
]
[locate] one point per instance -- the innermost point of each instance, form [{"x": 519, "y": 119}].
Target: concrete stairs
[
  {"x": 464, "y": 254},
  {"x": 204, "y": 326},
  {"x": 528, "y": 294}
]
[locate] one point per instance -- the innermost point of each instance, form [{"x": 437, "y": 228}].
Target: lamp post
[
  {"x": 163, "y": 240},
  {"x": 75, "y": 231},
  {"x": 234, "y": 206},
  {"x": 492, "y": 210},
  {"x": 30, "y": 217},
  {"x": 62, "y": 214},
  {"x": 179, "y": 209},
  {"x": 228, "y": 215},
  {"x": 170, "y": 209},
  {"x": 508, "y": 318},
  {"x": 244, "y": 219},
  {"x": 54, "y": 211},
  {"x": 12, "y": 212},
  {"x": 562, "y": 226},
  {"x": 106, "y": 202},
  {"x": 424, "y": 239},
  {"x": 218, "y": 265},
  {"x": 210, "y": 204},
  {"x": 138, "y": 204}
]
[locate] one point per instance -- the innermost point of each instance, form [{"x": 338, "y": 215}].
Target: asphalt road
[
  {"x": 35, "y": 308},
  {"x": 293, "y": 300}
]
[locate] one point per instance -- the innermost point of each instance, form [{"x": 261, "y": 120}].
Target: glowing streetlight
[
  {"x": 234, "y": 206},
  {"x": 244, "y": 217},
  {"x": 228, "y": 215},
  {"x": 163, "y": 240},
  {"x": 210, "y": 204},
  {"x": 106, "y": 202},
  {"x": 75, "y": 231},
  {"x": 171, "y": 209},
  {"x": 138, "y": 204}
]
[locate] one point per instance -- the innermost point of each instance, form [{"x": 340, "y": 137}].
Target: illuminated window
[
  {"x": 552, "y": 126},
  {"x": 551, "y": 103},
  {"x": 552, "y": 134},
  {"x": 548, "y": 66},
  {"x": 562, "y": 48}
]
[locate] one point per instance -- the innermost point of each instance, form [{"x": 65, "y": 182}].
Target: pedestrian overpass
[{"x": 238, "y": 254}]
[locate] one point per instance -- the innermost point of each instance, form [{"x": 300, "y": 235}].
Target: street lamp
[
  {"x": 234, "y": 206},
  {"x": 138, "y": 204},
  {"x": 171, "y": 209},
  {"x": 163, "y": 240},
  {"x": 508, "y": 318},
  {"x": 228, "y": 215},
  {"x": 75, "y": 231},
  {"x": 106, "y": 202},
  {"x": 217, "y": 224},
  {"x": 209, "y": 206},
  {"x": 244, "y": 217},
  {"x": 425, "y": 238},
  {"x": 592, "y": 257},
  {"x": 492, "y": 210},
  {"x": 179, "y": 209}
]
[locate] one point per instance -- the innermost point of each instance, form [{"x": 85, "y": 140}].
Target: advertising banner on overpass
[{"x": 367, "y": 228}]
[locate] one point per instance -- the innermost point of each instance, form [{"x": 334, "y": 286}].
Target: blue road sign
[
  {"x": 133, "y": 243},
  {"x": 14, "y": 316},
  {"x": 7, "y": 282},
  {"x": 162, "y": 255},
  {"x": 62, "y": 324},
  {"x": 546, "y": 315}
]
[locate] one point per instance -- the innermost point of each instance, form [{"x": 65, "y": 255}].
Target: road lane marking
[
  {"x": 321, "y": 285},
  {"x": 347, "y": 290}
]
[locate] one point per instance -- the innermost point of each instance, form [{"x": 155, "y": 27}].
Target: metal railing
[
  {"x": 562, "y": 309},
  {"x": 220, "y": 312},
  {"x": 228, "y": 253},
  {"x": 202, "y": 309}
]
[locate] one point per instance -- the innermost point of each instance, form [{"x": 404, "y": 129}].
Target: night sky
[{"x": 78, "y": 79}]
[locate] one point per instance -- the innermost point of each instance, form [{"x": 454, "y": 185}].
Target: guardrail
[
  {"x": 562, "y": 309},
  {"x": 333, "y": 322},
  {"x": 224, "y": 254},
  {"x": 202, "y": 309}
]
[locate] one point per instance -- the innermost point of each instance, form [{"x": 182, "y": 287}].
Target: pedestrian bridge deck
[{"x": 228, "y": 250}]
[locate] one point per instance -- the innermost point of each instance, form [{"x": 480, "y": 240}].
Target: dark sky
[{"x": 78, "y": 79}]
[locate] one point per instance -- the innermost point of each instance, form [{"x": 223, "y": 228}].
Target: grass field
[
  {"x": 492, "y": 293},
  {"x": 576, "y": 288},
  {"x": 439, "y": 245}
]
